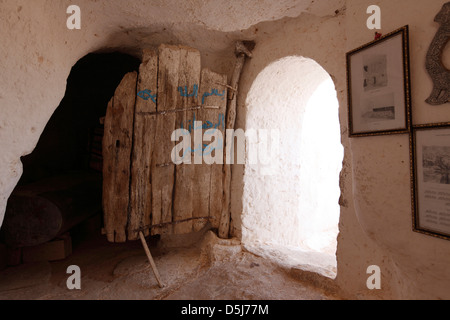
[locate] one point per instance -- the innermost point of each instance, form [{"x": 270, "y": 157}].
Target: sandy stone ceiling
[
  {"x": 211, "y": 26},
  {"x": 226, "y": 16}
]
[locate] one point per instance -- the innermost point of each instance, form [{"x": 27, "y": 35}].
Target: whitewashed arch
[{"x": 293, "y": 202}]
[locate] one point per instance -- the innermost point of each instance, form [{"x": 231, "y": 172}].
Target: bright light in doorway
[{"x": 296, "y": 207}]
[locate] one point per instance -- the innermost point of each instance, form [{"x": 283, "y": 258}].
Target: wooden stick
[
  {"x": 150, "y": 259},
  {"x": 227, "y": 86},
  {"x": 160, "y": 225},
  {"x": 242, "y": 53},
  {"x": 176, "y": 110}
]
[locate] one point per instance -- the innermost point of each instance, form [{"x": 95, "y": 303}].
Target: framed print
[
  {"x": 379, "y": 86},
  {"x": 430, "y": 166}
]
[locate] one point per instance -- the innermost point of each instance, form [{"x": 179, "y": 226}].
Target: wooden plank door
[{"x": 142, "y": 185}]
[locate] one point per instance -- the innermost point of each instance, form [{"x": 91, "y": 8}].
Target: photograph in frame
[
  {"x": 430, "y": 158},
  {"x": 379, "y": 87}
]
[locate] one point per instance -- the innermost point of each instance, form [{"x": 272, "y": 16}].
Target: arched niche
[{"x": 290, "y": 205}]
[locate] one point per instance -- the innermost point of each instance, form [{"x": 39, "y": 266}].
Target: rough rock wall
[{"x": 38, "y": 51}]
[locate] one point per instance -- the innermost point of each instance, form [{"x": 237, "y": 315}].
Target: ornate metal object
[{"x": 438, "y": 72}]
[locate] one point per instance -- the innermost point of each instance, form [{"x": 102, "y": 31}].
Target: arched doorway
[{"x": 291, "y": 209}]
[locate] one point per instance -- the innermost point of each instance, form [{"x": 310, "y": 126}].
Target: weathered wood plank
[
  {"x": 117, "y": 145},
  {"x": 163, "y": 170},
  {"x": 208, "y": 180},
  {"x": 143, "y": 144},
  {"x": 188, "y": 89}
]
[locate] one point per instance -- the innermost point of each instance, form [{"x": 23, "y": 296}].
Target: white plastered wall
[{"x": 414, "y": 265}]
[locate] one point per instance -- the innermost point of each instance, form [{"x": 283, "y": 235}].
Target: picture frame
[
  {"x": 430, "y": 179},
  {"x": 378, "y": 82}
]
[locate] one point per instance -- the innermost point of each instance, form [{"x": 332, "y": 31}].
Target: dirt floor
[{"x": 194, "y": 267}]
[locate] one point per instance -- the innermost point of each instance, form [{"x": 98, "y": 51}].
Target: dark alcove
[
  {"x": 66, "y": 143},
  {"x": 61, "y": 185}
]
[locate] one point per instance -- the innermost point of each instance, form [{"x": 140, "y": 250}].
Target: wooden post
[
  {"x": 150, "y": 259},
  {"x": 242, "y": 52}
]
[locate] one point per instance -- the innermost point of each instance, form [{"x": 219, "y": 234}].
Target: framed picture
[
  {"x": 430, "y": 175},
  {"x": 379, "y": 86}
]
